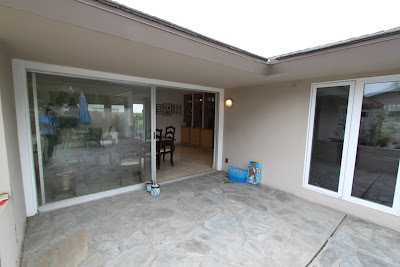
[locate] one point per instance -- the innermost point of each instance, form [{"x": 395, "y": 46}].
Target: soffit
[
  {"x": 115, "y": 22},
  {"x": 35, "y": 38}
]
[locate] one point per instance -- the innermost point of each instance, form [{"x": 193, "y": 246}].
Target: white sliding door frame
[
  {"x": 38, "y": 141},
  {"x": 310, "y": 133},
  {"x": 153, "y": 130},
  {"x": 20, "y": 68},
  {"x": 353, "y": 145},
  {"x": 350, "y": 144}
]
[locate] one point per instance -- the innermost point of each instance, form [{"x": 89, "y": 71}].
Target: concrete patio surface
[
  {"x": 360, "y": 243},
  {"x": 206, "y": 221}
]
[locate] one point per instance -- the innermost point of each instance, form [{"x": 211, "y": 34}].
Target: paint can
[
  {"x": 148, "y": 185},
  {"x": 155, "y": 190}
]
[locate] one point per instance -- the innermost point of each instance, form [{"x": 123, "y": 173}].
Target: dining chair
[{"x": 169, "y": 147}]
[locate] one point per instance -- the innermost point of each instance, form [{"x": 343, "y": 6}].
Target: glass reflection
[
  {"x": 93, "y": 135},
  {"x": 378, "y": 150},
  {"x": 328, "y": 135}
]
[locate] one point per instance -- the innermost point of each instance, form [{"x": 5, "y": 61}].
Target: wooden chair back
[{"x": 170, "y": 132}]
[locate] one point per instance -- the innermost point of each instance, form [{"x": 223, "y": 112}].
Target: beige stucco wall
[
  {"x": 13, "y": 215},
  {"x": 268, "y": 124}
]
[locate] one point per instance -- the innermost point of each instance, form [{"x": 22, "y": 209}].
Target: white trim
[
  {"x": 396, "y": 197},
  {"x": 153, "y": 131},
  {"x": 219, "y": 129},
  {"x": 25, "y": 138},
  {"x": 350, "y": 144},
  {"x": 20, "y": 67},
  {"x": 353, "y": 141},
  {"x": 87, "y": 198},
  {"x": 310, "y": 133},
  {"x": 99, "y": 75},
  {"x": 38, "y": 142}
]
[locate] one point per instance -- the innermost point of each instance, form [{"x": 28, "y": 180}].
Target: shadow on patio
[{"x": 206, "y": 221}]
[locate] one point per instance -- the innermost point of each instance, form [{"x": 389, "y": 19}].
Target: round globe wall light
[{"x": 228, "y": 102}]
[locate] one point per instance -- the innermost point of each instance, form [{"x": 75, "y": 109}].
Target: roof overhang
[{"x": 99, "y": 36}]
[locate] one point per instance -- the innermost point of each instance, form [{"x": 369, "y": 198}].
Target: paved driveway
[{"x": 204, "y": 221}]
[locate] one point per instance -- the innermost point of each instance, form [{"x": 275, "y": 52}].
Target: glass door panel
[
  {"x": 89, "y": 135},
  {"x": 328, "y": 137},
  {"x": 378, "y": 149}
]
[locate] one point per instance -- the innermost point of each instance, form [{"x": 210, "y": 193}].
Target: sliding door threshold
[
  {"x": 187, "y": 177},
  {"x": 106, "y": 194},
  {"x": 88, "y": 198}
]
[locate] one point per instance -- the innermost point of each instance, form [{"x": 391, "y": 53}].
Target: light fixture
[{"x": 228, "y": 102}]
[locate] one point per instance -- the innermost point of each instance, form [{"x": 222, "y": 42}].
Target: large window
[
  {"x": 378, "y": 149},
  {"x": 353, "y": 146},
  {"x": 328, "y": 136},
  {"x": 89, "y": 136}
]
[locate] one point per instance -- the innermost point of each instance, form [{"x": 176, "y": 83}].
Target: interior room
[{"x": 192, "y": 116}]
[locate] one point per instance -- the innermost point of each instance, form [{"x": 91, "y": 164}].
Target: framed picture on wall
[
  {"x": 167, "y": 109},
  {"x": 159, "y": 109},
  {"x": 177, "y": 109}
]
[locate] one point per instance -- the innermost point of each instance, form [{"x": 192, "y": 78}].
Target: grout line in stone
[{"x": 326, "y": 242}]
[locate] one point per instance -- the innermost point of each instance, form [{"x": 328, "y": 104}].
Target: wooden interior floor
[{"x": 188, "y": 160}]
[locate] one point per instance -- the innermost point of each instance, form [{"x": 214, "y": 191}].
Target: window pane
[
  {"x": 378, "y": 148},
  {"x": 92, "y": 136},
  {"x": 328, "y": 135}
]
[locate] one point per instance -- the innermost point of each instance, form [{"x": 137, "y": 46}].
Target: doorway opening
[{"x": 188, "y": 118}]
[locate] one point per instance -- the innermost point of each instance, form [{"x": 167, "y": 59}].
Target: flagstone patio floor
[{"x": 206, "y": 221}]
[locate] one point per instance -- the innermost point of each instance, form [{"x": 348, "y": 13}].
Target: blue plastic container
[{"x": 237, "y": 174}]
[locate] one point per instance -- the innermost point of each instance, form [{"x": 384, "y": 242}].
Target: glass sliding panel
[
  {"x": 327, "y": 144},
  {"x": 378, "y": 149},
  {"x": 89, "y": 136}
]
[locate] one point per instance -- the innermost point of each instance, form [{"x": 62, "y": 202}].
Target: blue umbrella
[{"x": 84, "y": 116}]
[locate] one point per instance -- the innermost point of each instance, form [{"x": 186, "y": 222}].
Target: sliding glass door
[
  {"x": 89, "y": 136},
  {"x": 353, "y": 147},
  {"x": 373, "y": 176},
  {"x": 327, "y": 144}
]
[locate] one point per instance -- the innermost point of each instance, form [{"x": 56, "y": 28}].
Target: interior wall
[
  {"x": 268, "y": 124},
  {"x": 170, "y": 96},
  {"x": 13, "y": 215}
]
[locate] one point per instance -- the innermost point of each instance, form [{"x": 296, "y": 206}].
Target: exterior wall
[
  {"x": 170, "y": 97},
  {"x": 12, "y": 216},
  {"x": 269, "y": 124}
]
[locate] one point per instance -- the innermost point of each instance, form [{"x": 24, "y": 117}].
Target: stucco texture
[
  {"x": 268, "y": 124},
  {"x": 13, "y": 217}
]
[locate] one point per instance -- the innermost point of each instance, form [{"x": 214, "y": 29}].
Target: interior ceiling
[{"x": 35, "y": 38}]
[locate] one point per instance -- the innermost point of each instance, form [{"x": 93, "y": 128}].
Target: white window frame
[
  {"x": 352, "y": 152},
  {"x": 350, "y": 144},
  {"x": 310, "y": 132},
  {"x": 20, "y": 68}
]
